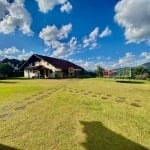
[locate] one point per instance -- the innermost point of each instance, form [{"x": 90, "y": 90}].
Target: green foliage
[
  {"x": 5, "y": 69},
  {"x": 140, "y": 72},
  {"x": 99, "y": 71}
]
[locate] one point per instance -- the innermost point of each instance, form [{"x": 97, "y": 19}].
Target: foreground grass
[{"x": 88, "y": 114}]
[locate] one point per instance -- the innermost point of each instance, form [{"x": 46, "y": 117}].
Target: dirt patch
[
  {"x": 31, "y": 102},
  {"x": 98, "y": 93},
  {"x": 122, "y": 97},
  {"x": 109, "y": 95},
  {"x": 43, "y": 96},
  {"x": 48, "y": 93},
  {"x": 135, "y": 105},
  {"x": 39, "y": 93},
  {"x": 8, "y": 107},
  {"x": 85, "y": 93},
  {"x": 37, "y": 99},
  {"x": 27, "y": 98},
  {"x": 34, "y": 95},
  {"x": 54, "y": 90},
  {"x": 2, "y": 116},
  {"x": 120, "y": 101},
  {"x": 71, "y": 91},
  {"x": 103, "y": 97},
  {"x": 19, "y": 102},
  {"x": 94, "y": 95},
  {"x": 20, "y": 108},
  {"x": 137, "y": 100}
]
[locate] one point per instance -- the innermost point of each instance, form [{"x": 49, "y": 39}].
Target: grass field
[{"x": 74, "y": 114}]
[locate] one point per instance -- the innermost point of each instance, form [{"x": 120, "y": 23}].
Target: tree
[
  {"x": 140, "y": 72},
  {"x": 99, "y": 71},
  {"x": 5, "y": 69}
]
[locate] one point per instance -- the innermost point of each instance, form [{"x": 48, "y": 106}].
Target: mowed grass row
[{"x": 73, "y": 114}]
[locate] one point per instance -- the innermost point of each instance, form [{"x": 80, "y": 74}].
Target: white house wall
[
  {"x": 48, "y": 65},
  {"x": 30, "y": 74}
]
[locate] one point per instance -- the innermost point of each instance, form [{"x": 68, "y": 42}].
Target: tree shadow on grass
[
  {"x": 5, "y": 147},
  {"x": 19, "y": 78},
  {"x": 99, "y": 137},
  {"x": 131, "y": 82},
  {"x": 7, "y": 82}
]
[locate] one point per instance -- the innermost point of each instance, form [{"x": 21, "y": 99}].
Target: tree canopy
[
  {"x": 140, "y": 72},
  {"x": 99, "y": 71},
  {"x": 5, "y": 69}
]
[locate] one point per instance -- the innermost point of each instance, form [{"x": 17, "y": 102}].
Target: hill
[{"x": 147, "y": 65}]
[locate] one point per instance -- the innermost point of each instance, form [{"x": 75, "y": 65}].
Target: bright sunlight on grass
[{"x": 74, "y": 114}]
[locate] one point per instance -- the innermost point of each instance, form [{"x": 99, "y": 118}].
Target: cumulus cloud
[
  {"x": 58, "y": 40},
  {"x": 54, "y": 39},
  {"x": 13, "y": 52},
  {"x": 105, "y": 33},
  {"x": 14, "y": 15},
  {"x": 63, "y": 50},
  {"x": 86, "y": 64},
  {"x": 47, "y": 5},
  {"x": 67, "y": 7},
  {"x": 127, "y": 60},
  {"x": 134, "y": 17},
  {"x": 52, "y": 33},
  {"x": 146, "y": 56},
  {"x": 91, "y": 40}
]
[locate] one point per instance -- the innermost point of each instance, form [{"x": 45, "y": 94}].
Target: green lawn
[{"x": 74, "y": 114}]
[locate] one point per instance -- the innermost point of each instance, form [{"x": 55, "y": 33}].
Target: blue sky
[{"x": 110, "y": 33}]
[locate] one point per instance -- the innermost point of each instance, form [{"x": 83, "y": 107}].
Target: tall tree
[
  {"x": 140, "y": 72},
  {"x": 5, "y": 69},
  {"x": 99, "y": 71}
]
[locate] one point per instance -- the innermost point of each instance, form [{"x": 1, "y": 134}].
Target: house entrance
[{"x": 41, "y": 73}]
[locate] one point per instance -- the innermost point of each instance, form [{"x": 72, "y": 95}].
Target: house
[
  {"x": 38, "y": 66},
  {"x": 13, "y": 62}
]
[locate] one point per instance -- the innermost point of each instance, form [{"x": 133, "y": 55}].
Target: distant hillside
[
  {"x": 11, "y": 61},
  {"x": 147, "y": 65}
]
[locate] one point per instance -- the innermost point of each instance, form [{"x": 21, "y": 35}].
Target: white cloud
[
  {"x": 52, "y": 33},
  {"x": 3, "y": 8},
  {"x": 13, "y": 52},
  {"x": 54, "y": 39},
  {"x": 57, "y": 39},
  {"x": 7, "y": 51},
  {"x": 63, "y": 50},
  {"x": 47, "y": 5},
  {"x": 88, "y": 65},
  {"x": 91, "y": 40},
  {"x": 105, "y": 33},
  {"x": 146, "y": 56},
  {"x": 134, "y": 16},
  {"x": 127, "y": 60},
  {"x": 67, "y": 7},
  {"x": 14, "y": 15},
  {"x": 23, "y": 55}
]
